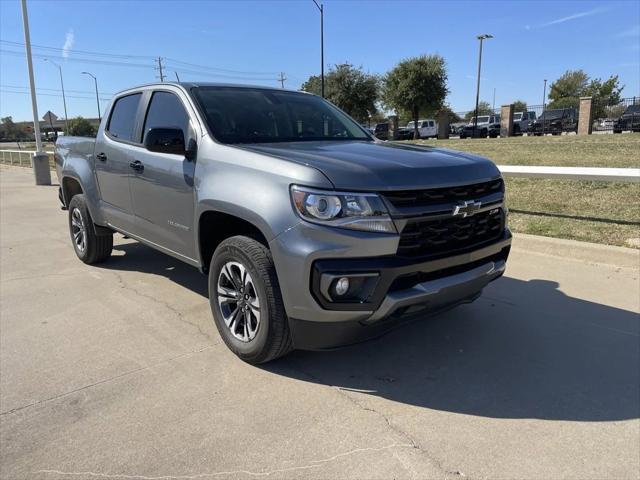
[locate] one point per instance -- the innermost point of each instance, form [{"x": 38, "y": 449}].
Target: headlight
[{"x": 357, "y": 211}]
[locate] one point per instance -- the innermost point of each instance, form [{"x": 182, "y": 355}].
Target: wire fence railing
[{"x": 21, "y": 158}]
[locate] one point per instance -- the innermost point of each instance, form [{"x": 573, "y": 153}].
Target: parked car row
[{"x": 555, "y": 122}]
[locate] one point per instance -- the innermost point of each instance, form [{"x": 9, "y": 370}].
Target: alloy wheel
[
  {"x": 238, "y": 301},
  {"x": 78, "y": 230}
]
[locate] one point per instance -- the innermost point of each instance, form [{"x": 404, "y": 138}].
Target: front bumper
[{"x": 404, "y": 286}]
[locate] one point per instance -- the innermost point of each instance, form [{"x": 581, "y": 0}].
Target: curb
[{"x": 576, "y": 250}]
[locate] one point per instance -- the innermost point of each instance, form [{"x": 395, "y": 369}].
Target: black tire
[
  {"x": 272, "y": 338},
  {"x": 96, "y": 248}
]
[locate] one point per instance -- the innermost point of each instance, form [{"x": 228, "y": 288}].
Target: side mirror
[{"x": 165, "y": 140}]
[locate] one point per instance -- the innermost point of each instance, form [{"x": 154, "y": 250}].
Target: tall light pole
[
  {"x": 544, "y": 104},
  {"x": 64, "y": 99},
  {"x": 41, "y": 170},
  {"x": 95, "y": 81},
  {"x": 482, "y": 38},
  {"x": 321, "y": 8}
]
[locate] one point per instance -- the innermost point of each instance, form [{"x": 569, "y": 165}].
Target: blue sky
[{"x": 252, "y": 41}]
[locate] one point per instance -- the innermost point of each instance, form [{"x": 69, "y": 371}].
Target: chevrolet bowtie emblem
[{"x": 467, "y": 209}]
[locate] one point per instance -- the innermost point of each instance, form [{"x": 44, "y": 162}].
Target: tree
[
  {"x": 9, "y": 130},
  {"x": 519, "y": 106},
  {"x": 416, "y": 85},
  {"x": 483, "y": 109},
  {"x": 605, "y": 94},
  {"x": 452, "y": 116},
  {"x": 81, "y": 127},
  {"x": 349, "y": 88},
  {"x": 565, "y": 92}
]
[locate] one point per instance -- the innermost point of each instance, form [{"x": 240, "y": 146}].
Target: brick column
[
  {"x": 393, "y": 127},
  {"x": 506, "y": 121},
  {"x": 585, "y": 120},
  {"x": 443, "y": 125}
]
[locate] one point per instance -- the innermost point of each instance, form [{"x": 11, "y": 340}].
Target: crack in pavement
[
  {"x": 106, "y": 380},
  {"x": 177, "y": 313},
  {"x": 395, "y": 428},
  {"x": 311, "y": 464}
]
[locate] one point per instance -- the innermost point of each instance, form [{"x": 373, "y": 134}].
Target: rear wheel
[
  {"x": 246, "y": 302},
  {"x": 89, "y": 247}
]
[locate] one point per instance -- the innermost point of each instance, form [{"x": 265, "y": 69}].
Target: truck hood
[{"x": 379, "y": 166}]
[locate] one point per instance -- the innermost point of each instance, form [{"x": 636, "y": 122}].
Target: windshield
[
  {"x": 411, "y": 124},
  {"x": 484, "y": 119},
  {"x": 551, "y": 114},
  {"x": 255, "y": 115}
]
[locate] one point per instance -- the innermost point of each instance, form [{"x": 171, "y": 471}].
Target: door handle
[
  {"x": 137, "y": 166},
  {"x": 102, "y": 157}
]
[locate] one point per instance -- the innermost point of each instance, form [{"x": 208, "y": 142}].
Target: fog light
[{"x": 342, "y": 286}]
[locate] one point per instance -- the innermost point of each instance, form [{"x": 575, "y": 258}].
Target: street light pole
[
  {"x": 321, "y": 8},
  {"x": 64, "y": 99},
  {"x": 40, "y": 160},
  {"x": 544, "y": 104},
  {"x": 95, "y": 81},
  {"x": 475, "y": 121}
]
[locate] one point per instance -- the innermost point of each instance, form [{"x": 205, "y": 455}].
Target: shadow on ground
[{"x": 523, "y": 350}]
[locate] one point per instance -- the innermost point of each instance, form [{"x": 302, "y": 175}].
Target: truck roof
[{"x": 188, "y": 85}]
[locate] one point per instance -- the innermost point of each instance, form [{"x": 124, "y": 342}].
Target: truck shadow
[{"x": 523, "y": 350}]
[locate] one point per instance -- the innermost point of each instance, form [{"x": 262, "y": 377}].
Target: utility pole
[
  {"x": 493, "y": 105},
  {"x": 160, "y": 69},
  {"x": 177, "y": 77},
  {"x": 321, "y": 8},
  {"x": 95, "y": 81},
  {"x": 64, "y": 99},
  {"x": 282, "y": 79},
  {"x": 41, "y": 170},
  {"x": 544, "y": 104},
  {"x": 475, "y": 121}
]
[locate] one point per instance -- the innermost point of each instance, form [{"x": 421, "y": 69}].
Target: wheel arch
[{"x": 215, "y": 225}]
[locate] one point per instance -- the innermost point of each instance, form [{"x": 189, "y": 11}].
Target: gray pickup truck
[{"x": 313, "y": 233}]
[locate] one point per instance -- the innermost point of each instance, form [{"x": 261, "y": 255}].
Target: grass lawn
[{"x": 602, "y": 212}]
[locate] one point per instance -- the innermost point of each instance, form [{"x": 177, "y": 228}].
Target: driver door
[{"x": 162, "y": 187}]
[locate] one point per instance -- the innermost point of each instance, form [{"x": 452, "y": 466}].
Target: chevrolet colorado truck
[{"x": 313, "y": 233}]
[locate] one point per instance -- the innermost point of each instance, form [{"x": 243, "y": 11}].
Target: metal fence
[
  {"x": 607, "y": 116},
  {"x": 21, "y": 158},
  {"x": 617, "y": 117}
]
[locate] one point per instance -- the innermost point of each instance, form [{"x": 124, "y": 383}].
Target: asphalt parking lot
[{"x": 117, "y": 372}]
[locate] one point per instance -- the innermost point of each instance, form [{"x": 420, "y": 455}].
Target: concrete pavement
[{"x": 117, "y": 371}]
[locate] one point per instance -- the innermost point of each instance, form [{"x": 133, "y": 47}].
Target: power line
[
  {"x": 204, "y": 67},
  {"x": 83, "y": 52},
  {"x": 52, "y": 89},
  {"x": 53, "y": 95},
  {"x": 79, "y": 60}
]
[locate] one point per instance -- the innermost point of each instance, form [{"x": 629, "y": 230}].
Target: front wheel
[
  {"x": 89, "y": 247},
  {"x": 246, "y": 302}
]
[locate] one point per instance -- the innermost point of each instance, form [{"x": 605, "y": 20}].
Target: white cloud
[
  {"x": 69, "y": 40},
  {"x": 575, "y": 16},
  {"x": 632, "y": 32}
]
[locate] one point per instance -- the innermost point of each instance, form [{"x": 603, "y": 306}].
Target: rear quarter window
[{"x": 123, "y": 117}]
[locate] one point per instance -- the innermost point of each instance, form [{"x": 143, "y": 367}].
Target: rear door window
[{"x": 123, "y": 117}]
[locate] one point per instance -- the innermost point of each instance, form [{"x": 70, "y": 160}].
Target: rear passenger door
[
  {"x": 162, "y": 189},
  {"x": 115, "y": 149}
]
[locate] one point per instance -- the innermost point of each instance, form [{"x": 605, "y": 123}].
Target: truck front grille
[
  {"x": 449, "y": 236},
  {"x": 436, "y": 196}
]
